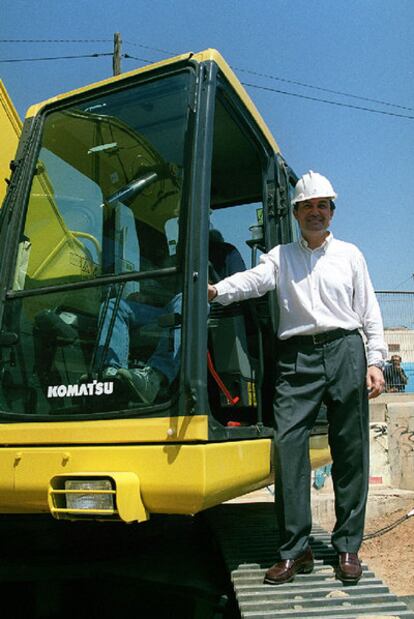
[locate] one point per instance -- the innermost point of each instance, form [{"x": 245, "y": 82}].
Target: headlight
[{"x": 89, "y": 494}]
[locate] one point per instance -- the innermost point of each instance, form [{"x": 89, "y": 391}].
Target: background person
[
  {"x": 325, "y": 297},
  {"x": 395, "y": 377}
]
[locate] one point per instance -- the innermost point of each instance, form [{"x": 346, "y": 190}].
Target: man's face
[
  {"x": 396, "y": 361},
  {"x": 313, "y": 215}
]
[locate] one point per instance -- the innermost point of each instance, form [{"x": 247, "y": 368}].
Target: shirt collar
[{"x": 304, "y": 243}]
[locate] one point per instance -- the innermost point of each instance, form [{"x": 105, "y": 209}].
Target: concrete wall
[
  {"x": 392, "y": 433},
  {"x": 391, "y": 472},
  {"x": 379, "y": 463},
  {"x": 400, "y": 419},
  {"x": 396, "y": 411}
]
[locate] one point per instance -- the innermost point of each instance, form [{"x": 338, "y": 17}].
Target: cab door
[{"x": 245, "y": 220}]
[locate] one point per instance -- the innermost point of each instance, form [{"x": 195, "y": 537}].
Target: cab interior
[{"x": 240, "y": 349}]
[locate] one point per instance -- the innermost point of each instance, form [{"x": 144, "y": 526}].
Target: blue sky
[{"x": 363, "y": 47}]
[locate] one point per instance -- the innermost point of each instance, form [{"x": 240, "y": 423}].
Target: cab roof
[{"x": 203, "y": 56}]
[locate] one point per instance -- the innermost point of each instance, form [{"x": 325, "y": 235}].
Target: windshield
[{"x": 94, "y": 322}]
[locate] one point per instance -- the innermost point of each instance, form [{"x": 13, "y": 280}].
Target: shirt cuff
[
  {"x": 376, "y": 359},
  {"x": 223, "y": 288},
  {"x": 377, "y": 364}
]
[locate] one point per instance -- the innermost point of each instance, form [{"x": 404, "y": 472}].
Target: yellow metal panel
[
  {"x": 178, "y": 479},
  {"x": 10, "y": 129},
  {"x": 174, "y": 478},
  {"x": 320, "y": 454},
  {"x": 113, "y": 431},
  {"x": 214, "y": 55}
]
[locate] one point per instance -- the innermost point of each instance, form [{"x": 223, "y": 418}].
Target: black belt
[{"x": 319, "y": 339}]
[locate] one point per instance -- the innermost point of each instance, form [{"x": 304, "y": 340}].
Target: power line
[
  {"x": 268, "y": 76},
  {"x": 288, "y": 81},
  {"x": 129, "y": 57},
  {"x": 55, "y": 40},
  {"x": 241, "y": 69},
  {"x": 405, "y": 281},
  {"x": 335, "y": 92},
  {"x": 155, "y": 49},
  {"x": 349, "y": 105},
  {"x": 96, "y": 55},
  {"x": 292, "y": 94}
]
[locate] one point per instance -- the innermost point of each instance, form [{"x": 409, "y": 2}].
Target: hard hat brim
[{"x": 305, "y": 199}]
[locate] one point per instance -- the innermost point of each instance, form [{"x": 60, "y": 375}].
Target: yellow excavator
[{"x": 125, "y": 197}]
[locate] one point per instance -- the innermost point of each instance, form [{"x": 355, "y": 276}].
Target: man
[
  {"x": 325, "y": 297},
  {"x": 145, "y": 384},
  {"x": 395, "y": 377}
]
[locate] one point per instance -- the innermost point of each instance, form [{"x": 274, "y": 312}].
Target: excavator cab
[
  {"x": 104, "y": 234},
  {"x": 126, "y": 198}
]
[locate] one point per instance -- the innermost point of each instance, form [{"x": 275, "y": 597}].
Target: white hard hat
[{"x": 313, "y": 185}]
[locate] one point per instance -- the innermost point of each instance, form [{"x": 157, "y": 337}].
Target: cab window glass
[
  {"x": 93, "y": 322},
  {"x": 67, "y": 349},
  {"x": 109, "y": 178},
  {"x": 235, "y": 242}
]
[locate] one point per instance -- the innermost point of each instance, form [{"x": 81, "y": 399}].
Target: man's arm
[
  {"x": 212, "y": 292},
  {"x": 366, "y": 306},
  {"x": 247, "y": 284},
  {"x": 375, "y": 381}
]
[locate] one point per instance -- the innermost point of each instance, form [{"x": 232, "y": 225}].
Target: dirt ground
[{"x": 391, "y": 555}]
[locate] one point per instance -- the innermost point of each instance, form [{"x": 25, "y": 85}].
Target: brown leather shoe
[
  {"x": 286, "y": 570},
  {"x": 349, "y": 568}
]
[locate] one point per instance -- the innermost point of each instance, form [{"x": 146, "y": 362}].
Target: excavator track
[{"x": 248, "y": 539}]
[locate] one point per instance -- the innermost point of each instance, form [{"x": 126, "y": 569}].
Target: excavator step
[{"x": 247, "y": 537}]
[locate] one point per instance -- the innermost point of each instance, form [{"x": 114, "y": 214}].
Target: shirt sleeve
[
  {"x": 366, "y": 306},
  {"x": 251, "y": 283}
]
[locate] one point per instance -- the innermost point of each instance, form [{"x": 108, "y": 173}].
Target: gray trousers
[{"x": 336, "y": 374}]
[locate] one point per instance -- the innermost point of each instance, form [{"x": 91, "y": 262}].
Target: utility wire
[
  {"x": 334, "y": 92},
  {"x": 55, "y": 40},
  {"x": 405, "y": 281},
  {"x": 57, "y": 57},
  {"x": 129, "y": 57},
  {"x": 292, "y": 94},
  {"x": 95, "y": 55},
  {"x": 349, "y": 105},
  {"x": 241, "y": 69},
  {"x": 154, "y": 49},
  {"x": 268, "y": 76},
  {"x": 288, "y": 81}
]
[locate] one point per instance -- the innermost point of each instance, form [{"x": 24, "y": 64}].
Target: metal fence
[{"x": 397, "y": 310}]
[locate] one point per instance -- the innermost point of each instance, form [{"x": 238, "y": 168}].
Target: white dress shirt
[{"x": 318, "y": 290}]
